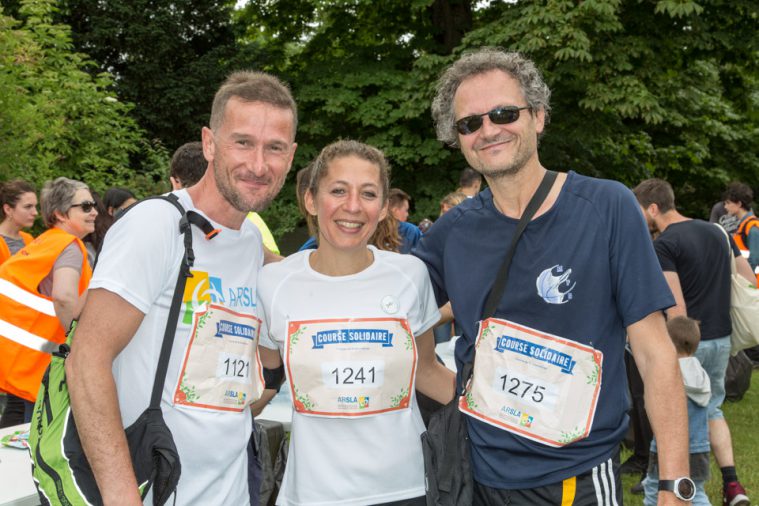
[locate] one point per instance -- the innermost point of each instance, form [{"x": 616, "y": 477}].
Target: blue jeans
[
  {"x": 651, "y": 489},
  {"x": 714, "y": 355}
]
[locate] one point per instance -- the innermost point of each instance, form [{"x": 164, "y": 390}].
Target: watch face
[{"x": 686, "y": 488}]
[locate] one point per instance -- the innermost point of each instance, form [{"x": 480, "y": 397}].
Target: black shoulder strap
[
  {"x": 188, "y": 219},
  {"x": 503, "y": 273}
]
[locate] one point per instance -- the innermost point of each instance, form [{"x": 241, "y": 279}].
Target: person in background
[
  {"x": 348, "y": 445},
  {"x": 451, "y": 200},
  {"x": 116, "y": 200},
  {"x": 103, "y": 222},
  {"x": 18, "y": 210},
  {"x": 720, "y": 215},
  {"x": 42, "y": 289},
  {"x": 696, "y": 261},
  {"x": 399, "y": 202},
  {"x": 187, "y": 167},
  {"x": 738, "y": 198},
  {"x": 470, "y": 182},
  {"x": 685, "y": 336}
]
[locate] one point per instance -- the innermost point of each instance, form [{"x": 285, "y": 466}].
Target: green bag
[{"x": 59, "y": 466}]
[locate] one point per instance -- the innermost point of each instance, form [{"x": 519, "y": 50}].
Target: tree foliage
[
  {"x": 641, "y": 88},
  {"x": 168, "y": 57},
  {"x": 57, "y": 119},
  {"x": 644, "y": 88}
]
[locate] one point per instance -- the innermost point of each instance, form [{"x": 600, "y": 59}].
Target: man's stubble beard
[
  {"x": 514, "y": 167},
  {"x": 235, "y": 199}
]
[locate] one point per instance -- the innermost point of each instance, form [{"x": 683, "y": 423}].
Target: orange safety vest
[
  {"x": 5, "y": 252},
  {"x": 29, "y": 328},
  {"x": 741, "y": 236}
]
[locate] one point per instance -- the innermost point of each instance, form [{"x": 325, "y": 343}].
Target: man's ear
[{"x": 209, "y": 147}]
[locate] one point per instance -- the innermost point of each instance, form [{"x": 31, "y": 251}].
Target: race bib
[
  {"x": 537, "y": 385},
  {"x": 350, "y": 367},
  {"x": 221, "y": 369}
]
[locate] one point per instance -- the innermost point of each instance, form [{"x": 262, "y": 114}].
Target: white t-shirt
[
  {"x": 140, "y": 262},
  {"x": 366, "y": 460}
]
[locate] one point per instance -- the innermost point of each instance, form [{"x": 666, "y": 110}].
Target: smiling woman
[
  {"x": 355, "y": 326},
  {"x": 42, "y": 289}
]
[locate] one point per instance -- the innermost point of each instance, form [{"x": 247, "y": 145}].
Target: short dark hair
[
  {"x": 252, "y": 86},
  {"x": 655, "y": 191},
  {"x": 115, "y": 197},
  {"x": 11, "y": 191},
  {"x": 397, "y": 196},
  {"x": 188, "y": 163},
  {"x": 469, "y": 177},
  {"x": 739, "y": 192},
  {"x": 684, "y": 333}
]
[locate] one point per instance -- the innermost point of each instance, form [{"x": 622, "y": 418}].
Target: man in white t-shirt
[{"x": 249, "y": 147}]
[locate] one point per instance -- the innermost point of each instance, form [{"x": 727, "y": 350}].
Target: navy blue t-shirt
[{"x": 595, "y": 240}]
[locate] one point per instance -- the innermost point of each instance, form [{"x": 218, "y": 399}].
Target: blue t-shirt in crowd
[
  {"x": 309, "y": 244},
  {"x": 595, "y": 245},
  {"x": 410, "y": 235}
]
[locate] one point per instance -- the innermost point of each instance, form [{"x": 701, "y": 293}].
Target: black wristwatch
[{"x": 683, "y": 488}]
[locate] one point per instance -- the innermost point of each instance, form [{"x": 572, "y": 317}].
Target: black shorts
[{"x": 600, "y": 486}]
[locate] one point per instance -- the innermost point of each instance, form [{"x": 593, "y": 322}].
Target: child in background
[{"x": 685, "y": 335}]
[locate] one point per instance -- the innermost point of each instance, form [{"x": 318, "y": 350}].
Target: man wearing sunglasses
[
  {"x": 211, "y": 378},
  {"x": 546, "y": 406}
]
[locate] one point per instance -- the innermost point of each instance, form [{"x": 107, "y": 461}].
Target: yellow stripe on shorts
[{"x": 569, "y": 487}]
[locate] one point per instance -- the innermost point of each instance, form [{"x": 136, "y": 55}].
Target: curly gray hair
[{"x": 485, "y": 59}]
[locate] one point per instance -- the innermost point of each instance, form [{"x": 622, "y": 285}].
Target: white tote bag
[{"x": 744, "y": 307}]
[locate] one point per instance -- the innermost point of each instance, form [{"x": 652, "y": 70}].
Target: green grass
[{"x": 742, "y": 417}]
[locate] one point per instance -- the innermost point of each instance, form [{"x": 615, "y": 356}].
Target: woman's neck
[
  {"x": 9, "y": 229},
  {"x": 340, "y": 263}
]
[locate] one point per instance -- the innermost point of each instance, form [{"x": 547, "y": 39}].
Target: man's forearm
[
  {"x": 95, "y": 406},
  {"x": 667, "y": 411}
]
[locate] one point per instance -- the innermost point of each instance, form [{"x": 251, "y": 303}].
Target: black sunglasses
[
  {"x": 499, "y": 116},
  {"x": 86, "y": 206}
]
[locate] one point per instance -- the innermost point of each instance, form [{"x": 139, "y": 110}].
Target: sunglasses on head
[
  {"x": 86, "y": 206},
  {"x": 499, "y": 116}
]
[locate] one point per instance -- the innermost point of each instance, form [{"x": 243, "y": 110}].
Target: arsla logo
[
  {"x": 554, "y": 285},
  {"x": 201, "y": 288}
]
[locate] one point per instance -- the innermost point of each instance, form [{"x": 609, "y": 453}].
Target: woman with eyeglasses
[
  {"x": 42, "y": 289},
  {"x": 353, "y": 326},
  {"x": 18, "y": 209}
]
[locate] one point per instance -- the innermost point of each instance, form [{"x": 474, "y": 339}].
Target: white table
[{"x": 16, "y": 485}]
